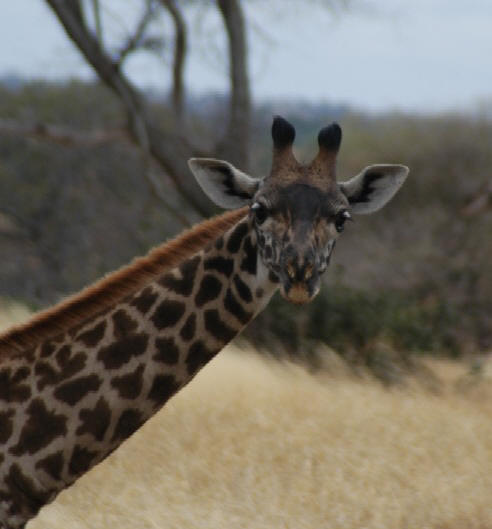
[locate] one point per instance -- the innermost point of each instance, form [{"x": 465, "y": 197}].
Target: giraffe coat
[{"x": 70, "y": 401}]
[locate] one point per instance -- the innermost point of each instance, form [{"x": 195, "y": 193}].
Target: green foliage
[
  {"x": 349, "y": 319},
  {"x": 68, "y": 215},
  {"x": 416, "y": 277},
  {"x": 75, "y": 104}
]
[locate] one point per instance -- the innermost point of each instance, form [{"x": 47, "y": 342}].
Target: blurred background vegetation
[{"x": 93, "y": 174}]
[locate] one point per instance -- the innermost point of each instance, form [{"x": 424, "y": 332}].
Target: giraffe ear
[
  {"x": 376, "y": 185},
  {"x": 225, "y": 185}
]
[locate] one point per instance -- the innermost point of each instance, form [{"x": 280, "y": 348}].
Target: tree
[
  {"x": 169, "y": 146},
  {"x": 70, "y": 195}
]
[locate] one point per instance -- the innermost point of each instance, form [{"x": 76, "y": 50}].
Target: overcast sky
[{"x": 414, "y": 55}]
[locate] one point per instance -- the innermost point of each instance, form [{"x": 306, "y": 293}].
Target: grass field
[
  {"x": 252, "y": 443},
  {"x": 255, "y": 444}
]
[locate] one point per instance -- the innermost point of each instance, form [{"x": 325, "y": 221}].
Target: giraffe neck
[{"x": 76, "y": 398}]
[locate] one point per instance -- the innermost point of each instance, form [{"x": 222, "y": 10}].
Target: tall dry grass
[
  {"x": 12, "y": 312},
  {"x": 253, "y": 444}
]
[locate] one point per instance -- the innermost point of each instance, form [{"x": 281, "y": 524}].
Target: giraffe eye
[
  {"x": 340, "y": 219},
  {"x": 260, "y": 212}
]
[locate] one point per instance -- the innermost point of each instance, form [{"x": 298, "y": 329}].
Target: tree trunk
[{"x": 236, "y": 141}]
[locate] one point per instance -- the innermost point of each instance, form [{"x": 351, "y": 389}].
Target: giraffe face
[
  {"x": 298, "y": 211},
  {"x": 296, "y": 228}
]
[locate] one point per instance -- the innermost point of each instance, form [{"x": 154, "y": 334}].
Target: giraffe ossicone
[{"x": 79, "y": 379}]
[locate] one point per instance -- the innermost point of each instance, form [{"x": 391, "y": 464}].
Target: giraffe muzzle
[
  {"x": 299, "y": 280},
  {"x": 298, "y": 293}
]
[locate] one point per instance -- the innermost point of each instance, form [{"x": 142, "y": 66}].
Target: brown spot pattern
[
  {"x": 163, "y": 388},
  {"x": 41, "y": 428},
  {"x": 220, "y": 264},
  {"x": 187, "y": 332},
  {"x": 25, "y": 498},
  {"x": 198, "y": 356},
  {"x": 130, "y": 385},
  {"x": 167, "y": 351},
  {"x": 6, "y": 425},
  {"x": 120, "y": 353},
  {"x": 129, "y": 422},
  {"x": 232, "y": 306},
  {"x": 242, "y": 289},
  {"x": 210, "y": 288},
  {"x": 68, "y": 366},
  {"x": 93, "y": 336},
  {"x": 236, "y": 237},
  {"x": 123, "y": 324},
  {"x": 144, "y": 301},
  {"x": 11, "y": 387},
  {"x": 75, "y": 390},
  {"x": 52, "y": 464},
  {"x": 218, "y": 328},
  {"x": 183, "y": 286},
  {"x": 96, "y": 421},
  {"x": 81, "y": 461},
  {"x": 47, "y": 349},
  {"x": 168, "y": 313}
]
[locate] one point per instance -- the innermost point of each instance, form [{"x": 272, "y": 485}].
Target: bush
[
  {"x": 416, "y": 276},
  {"x": 348, "y": 319}
]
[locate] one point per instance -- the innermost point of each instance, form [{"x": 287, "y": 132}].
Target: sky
[{"x": 377, "y": 55}]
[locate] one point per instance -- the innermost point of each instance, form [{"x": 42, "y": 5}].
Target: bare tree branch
[
  {"x": 171, "y": 151},
  {"x": 70, "y": 15},
  {"x": 61, "y": 135},
  {"x": 96, "y": 8},
  {"x": 180, "y": 50},
  {"x": 70, "y": 138},
  {"x": 135, "y": 41},
  {"x": 480, "y": 202},
  {"x": 236, "y": 140}
]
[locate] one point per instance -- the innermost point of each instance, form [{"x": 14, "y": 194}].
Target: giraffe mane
[{"x": 104, "y": 293}]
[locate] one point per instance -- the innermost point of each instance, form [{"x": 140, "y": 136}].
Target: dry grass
[
  {"x": 252, "y": 444},
  {"x": 12, "y": 312}
]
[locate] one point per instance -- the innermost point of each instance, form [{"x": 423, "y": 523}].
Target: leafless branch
[
  {"x": 170, "y": 150},
  {"x": 61, "y": 135},
  {"x": 480, "y": 202},
  {"x": 96, "y": 8},
  {"x": 135, "y": 41},
  {"x": 180, "y": 49},
  {"x": 236, "y": 140}
]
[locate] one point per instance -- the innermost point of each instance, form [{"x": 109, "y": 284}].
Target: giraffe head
[{"x": 298, "y": 211}]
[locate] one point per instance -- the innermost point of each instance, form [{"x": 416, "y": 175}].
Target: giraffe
[{"x": 80, "y": 378}]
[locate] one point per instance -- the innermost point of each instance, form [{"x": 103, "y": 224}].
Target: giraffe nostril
[
  {"x": 308, "y": 271},
  {"x": 291, "y": 271}
]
